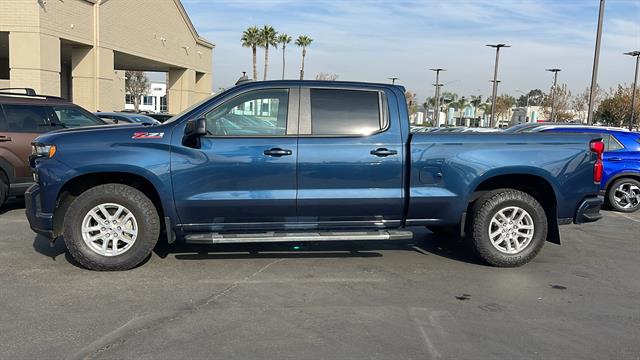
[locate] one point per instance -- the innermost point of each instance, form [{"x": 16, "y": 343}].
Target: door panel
[
  {"x": 353, "y": 180},
  {"x": 243, "y": 175}
]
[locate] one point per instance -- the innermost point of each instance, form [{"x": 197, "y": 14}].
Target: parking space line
[{"x": 627, "y": 216}]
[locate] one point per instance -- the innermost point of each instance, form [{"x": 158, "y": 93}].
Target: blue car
[{"x": 621, "y": 178}]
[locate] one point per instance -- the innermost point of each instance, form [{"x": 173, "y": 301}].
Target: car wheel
[
  {"x": 509, "y": 227},
  {"x": 624, "y": 195},
  {"x": 4, "y": 190},
  {"x": 111, "y": 227}
]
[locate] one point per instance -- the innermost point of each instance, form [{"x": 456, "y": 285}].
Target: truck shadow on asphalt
[{"x": 424, "y": 244}]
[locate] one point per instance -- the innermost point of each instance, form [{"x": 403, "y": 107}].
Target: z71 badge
[{"x": 148, "y": 135}]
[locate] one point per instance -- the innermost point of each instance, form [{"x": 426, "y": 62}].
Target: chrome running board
[{"x": 222, "y": 238}]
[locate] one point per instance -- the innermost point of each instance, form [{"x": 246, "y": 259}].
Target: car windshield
[
  {"x": 143, "y": 119},
  {"x": 76, "y": 117}
]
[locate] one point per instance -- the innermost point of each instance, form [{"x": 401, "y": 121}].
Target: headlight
[{"x": 42, "y": 150}]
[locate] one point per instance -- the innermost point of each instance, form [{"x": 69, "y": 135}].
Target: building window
[
  {"x": 128, "y": 99},
  {"x": 147, "y": 100},
  {"x": 163, "y": 103}
]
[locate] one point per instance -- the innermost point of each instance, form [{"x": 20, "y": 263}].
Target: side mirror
[{"x": 197, "y": 127}]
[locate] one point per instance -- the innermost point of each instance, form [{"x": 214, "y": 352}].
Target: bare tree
[
  {"x": 412, "y": 102},
  {"x": 327, "y": 76},
  {"x": 136, "y": 84},
  {"x": 560, "y": 100}
]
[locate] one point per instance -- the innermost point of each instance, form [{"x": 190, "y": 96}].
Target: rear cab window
[{"x": 346, "y": 112}]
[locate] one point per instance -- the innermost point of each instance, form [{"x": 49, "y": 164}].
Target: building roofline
[{"x": 199, "y": 40}]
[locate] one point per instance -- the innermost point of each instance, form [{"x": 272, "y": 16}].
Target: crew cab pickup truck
[{"x": 305, "y": 161}]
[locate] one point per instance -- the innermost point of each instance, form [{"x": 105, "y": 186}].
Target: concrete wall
[{"x": 154, "y": 35}]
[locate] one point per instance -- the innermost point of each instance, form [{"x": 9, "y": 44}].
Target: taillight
[{"x": 597, "y": 146}]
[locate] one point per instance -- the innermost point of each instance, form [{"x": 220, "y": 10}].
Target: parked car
[
  {"x": 23, "y": 116},
  {"x": 338, "y": 164},
  {"x": 162, "y": 117},
  {"x": 126, "y": 118},
  {"x": 621, "y": 178}
]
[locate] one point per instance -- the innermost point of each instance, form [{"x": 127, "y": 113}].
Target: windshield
[{"x": 76, "y": 117}]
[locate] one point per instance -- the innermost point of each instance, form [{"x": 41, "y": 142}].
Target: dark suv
[{"x": 23, "y": 116}]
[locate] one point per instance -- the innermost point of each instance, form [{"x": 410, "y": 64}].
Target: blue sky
[{"x": 373, "y": 40}]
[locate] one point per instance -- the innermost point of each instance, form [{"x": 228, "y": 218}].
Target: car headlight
[{"x": 43, "y": 150}]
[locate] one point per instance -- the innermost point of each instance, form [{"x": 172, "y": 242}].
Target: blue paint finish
[
  {"x": 228, "y": 183},
  {"x": 617, "y": 163}
]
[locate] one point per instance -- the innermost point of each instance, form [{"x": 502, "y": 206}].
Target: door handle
[
  {"x": 614, "y": 159},
  {"x": 382, "y": 152},
  {"x": 277, "y": 152},
  {"x": 4, "y": 138}
]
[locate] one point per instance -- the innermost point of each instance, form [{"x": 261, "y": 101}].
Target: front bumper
[
  {"x": 589, "y": 210},
  {"x": 41, "y": 223}
]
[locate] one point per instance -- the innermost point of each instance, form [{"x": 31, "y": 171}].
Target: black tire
[
  {"x": 487, "y": 207},
  {"x": 4, "y": 190},
  {"x": 613, "y": 204},
  {"x": 136, "y": 202}
]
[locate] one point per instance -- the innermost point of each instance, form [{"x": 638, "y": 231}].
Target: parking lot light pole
[
  {"x": 393, "y": 80},
  {"x": 596, "y": 60},
  {"x": 635, "y": 82},
  {"x": 494, "y": 93},
  {"x": 553, "y": 92},
  {"x": 436, "y": 112}
]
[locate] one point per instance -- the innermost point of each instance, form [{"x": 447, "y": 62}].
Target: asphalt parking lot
[{"x": 421, "y": 299}]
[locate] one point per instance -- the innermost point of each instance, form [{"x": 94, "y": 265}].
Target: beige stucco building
[{"x": 79, "y": 49}]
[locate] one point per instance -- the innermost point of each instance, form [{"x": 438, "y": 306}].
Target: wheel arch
[
  {"x": 630, "y": 174},
  {"x": 539, "y": 187},
  {"x": 78, "y": 184}
]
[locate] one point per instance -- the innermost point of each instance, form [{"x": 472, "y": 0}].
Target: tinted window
[
  {"x": 73, "y": 117},
  {"x": 344, "y": 112},
  {"x": 3, "y": 121},
  {"x": 28, "y": 118},
  {"x": 612, "y": 144},
  {"x": 256, "y": 113}
]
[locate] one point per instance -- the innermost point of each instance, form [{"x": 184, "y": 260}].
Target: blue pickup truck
[{"x": 305, "y": 161}]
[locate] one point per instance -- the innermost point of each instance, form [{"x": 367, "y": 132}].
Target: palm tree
[
  {"x": 283, "y": 39},
  {"x": 251, "y": 39},
  {"x": 303, "y": 41},
  {"x": 268, "y": 37},
  {"x": 461, "y": 104}
]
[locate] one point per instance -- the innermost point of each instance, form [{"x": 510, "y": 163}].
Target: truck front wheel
[
  {"x": 111, "y": 227},
  {"x": 509, "y": 227}
]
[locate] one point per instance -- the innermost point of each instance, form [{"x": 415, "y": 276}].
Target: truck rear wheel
[
  {"x": 509, "y": 227},
  {"x": 111, "y": 227}
]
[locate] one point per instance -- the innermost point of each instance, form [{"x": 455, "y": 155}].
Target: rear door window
[
  {"x": 28, "y": 118},
  {"x": 344, "y": 112},
  {"x": 611, "y": 143},
  {"x": 3, "y": 121}
]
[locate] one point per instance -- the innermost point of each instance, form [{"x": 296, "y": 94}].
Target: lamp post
[
  {"x": 553, "y": 92},
  {"x": 596, "y": 59},
  {"x": 436, "y": 113},
  {"x": 635, "y": 81},
  {"x": 393, "y": 80},
  {"x": 495, "y": 82}
]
